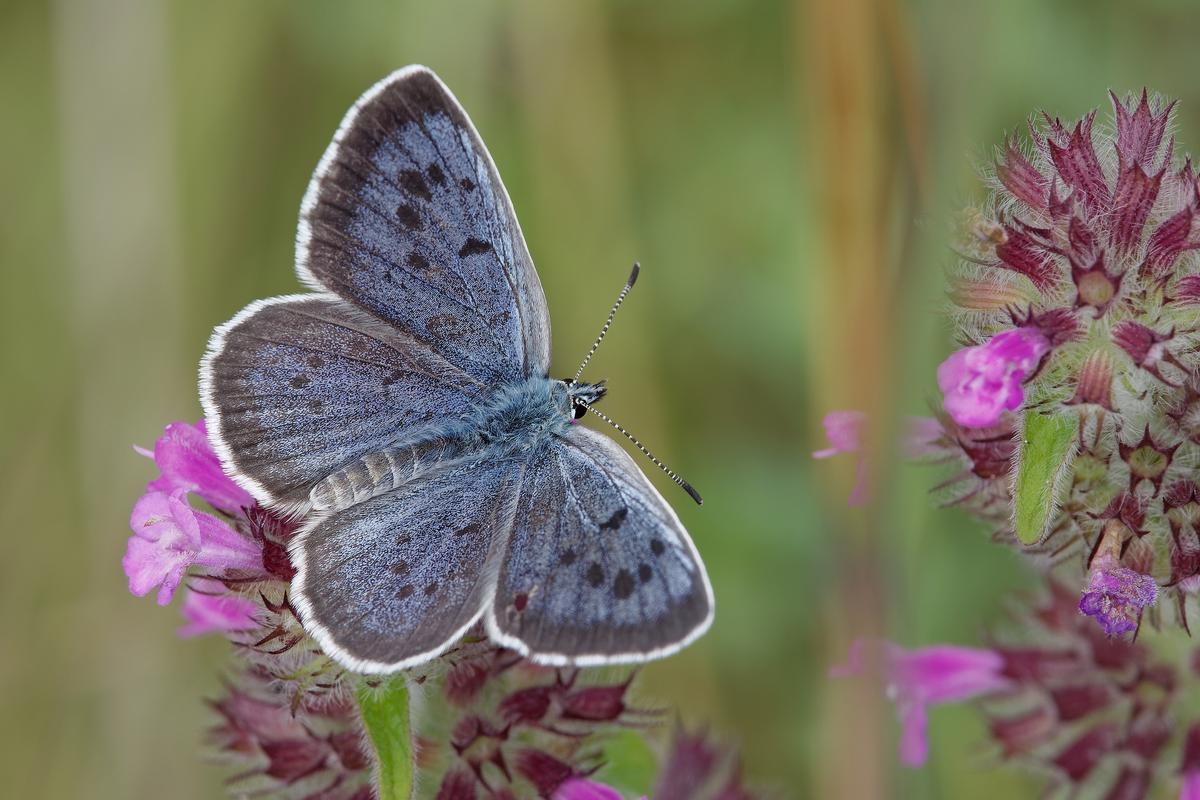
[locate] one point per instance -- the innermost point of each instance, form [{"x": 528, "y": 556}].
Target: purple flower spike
[
  {"x": 208, "y": 609},
  {"x": 187, "y": 461},
  {"x": 170, "y": 536},
  {"x": 981, "y": 383},
  {"x": 844, "y": 431},
  {"x": 582, "y": 789},
  {"x": 1116, "y": 595},
  {"x": 919, "y": 678}
]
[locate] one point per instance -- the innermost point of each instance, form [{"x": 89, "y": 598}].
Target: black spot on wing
[
  {"x": 400, "y": 568},
  {"x": 473, "y": 247},
  {"x": 614, "y": 522},
  {"x": 431, "y": 589},
  {"x": 568, "y": 557},
  {"x": 406, "y": 591},
  {"x": 300, "y": 381},
  {"x": 467, "y": 184},
  {"x": 657, "y": 547},
  {"x": 645, "y": 573},
  {"x": 409, "y": 216},
  {"x": 316, "y": 362},
  {"x": 623, "y": 584},
  {"x": 435, "y": 174},
  {"x": 413, "y": 182},
  {"x": 595, "y": 575}
]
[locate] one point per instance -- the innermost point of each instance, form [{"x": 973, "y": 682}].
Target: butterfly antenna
[
  {"x": 672, "y": 474},
  {"x": 608, "y": 322}
]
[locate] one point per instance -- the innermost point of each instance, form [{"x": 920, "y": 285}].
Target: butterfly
[{"x": 404, "y": 410}]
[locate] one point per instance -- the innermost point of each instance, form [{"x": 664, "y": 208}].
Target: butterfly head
[{"x": 580, "y": 395}]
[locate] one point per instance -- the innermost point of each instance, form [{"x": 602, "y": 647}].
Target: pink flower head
[
  {"x": 583, "y": 789},
  {"x": 169, "y": 536},
  {"x": 1191, "y": 765},
  {"x": 844, "y": 431},
  {"x": 187, "y": 461},
  {"x": 919, "y": 678},
  {"x": 1116, "y": 595},
  {"x": 981, "y": 383},
  {"x": 209, "y": 609}
]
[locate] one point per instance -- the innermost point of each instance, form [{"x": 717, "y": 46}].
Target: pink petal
[
  {"x": 187, "y": 461},
  {"x": 582, "y": 789},
  {"x": 1191, "y": 786},
  {"x": 914, "y": 742},
  {"x": 843, "y": 429},
  {"x": 208, "y": 613}
]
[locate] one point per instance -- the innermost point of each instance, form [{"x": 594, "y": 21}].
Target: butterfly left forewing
[
  {"x": 406, "y": 217},
  {"x": 598, "y": 568}
]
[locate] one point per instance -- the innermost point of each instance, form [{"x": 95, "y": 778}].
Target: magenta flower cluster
[{"x": 1077, "y": 300}]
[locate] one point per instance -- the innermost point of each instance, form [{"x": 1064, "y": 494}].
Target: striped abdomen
[{"x": 376, "y": 473}]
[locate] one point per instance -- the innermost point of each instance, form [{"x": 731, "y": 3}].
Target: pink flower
[
  {"x": 1191, "y": 765},
  {"x": 981, "y": 383},
  {"x": 919, "y": 678},
  {"x": 583, "y": 789},
  {"x": 170, "y": 536},
  {"x": 187, "y": 461},
  {"x": 208, "y": 608},
  {"x": 844, "y": 431}
]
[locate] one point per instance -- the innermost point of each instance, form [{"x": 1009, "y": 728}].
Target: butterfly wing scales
[
  {"x": 297, "y": 386},
  {"x": 406, "y": 216},
  {"x": 397, "y": 579},
  {"x": 598, "y": 569}
]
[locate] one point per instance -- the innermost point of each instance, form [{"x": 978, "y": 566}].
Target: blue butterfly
[{"x": 405, "y": 409}]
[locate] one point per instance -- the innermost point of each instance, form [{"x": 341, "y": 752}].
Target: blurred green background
[{"x": 786, "y": 172}]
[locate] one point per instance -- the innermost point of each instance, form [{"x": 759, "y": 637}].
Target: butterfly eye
[{"x": 578, "y": 410}]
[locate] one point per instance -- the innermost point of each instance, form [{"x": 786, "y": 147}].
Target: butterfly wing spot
[
  {"x": 431, "y": 589},
  {"x": 657, "y": 547},
  {"x": 568, "y": 557},
  {"x": 623, "y": 585},
  {"x": 595, "y": 575},
  {"x": 445, "y": 326},
  {"x": 403, "y": 539},
  {"x": 405, "y": 592},
  {"x": 300, "y": 381},
  {"x": 645, "y": 573},
  {"x": 316, "y": 362},
  {"x": 316, "y": 406},
  {"x": 614, "y": 522},
  {"x": 474, "y": 247},
  {"x": 414, "y": 183},
  {"x": 409, "y": 216},
  {"x": 435, "y": 174},
  {"x": 400, "y": 568},
  {"x": 469, "y": 530},
  {"x": 520, "y": 601}
]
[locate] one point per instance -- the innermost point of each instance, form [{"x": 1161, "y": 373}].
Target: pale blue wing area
[
  {"x": 296, "y": 387},
  {"x": 396, "y": 579},
  {"x": 406, "y": 217},
  {"x": 598, "y": 567}
]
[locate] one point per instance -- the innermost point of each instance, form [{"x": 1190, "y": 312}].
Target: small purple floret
[
  {"x": 186, "y": 460},
  {"x": 170, "y": 536},
  {"x": 1116, "y": 595},
  {"x": 980, "y": 383},
  {"x": 927, "y": 676},
  {"x": 583, "y": 789},
  {"x": 208, "y": 608}
]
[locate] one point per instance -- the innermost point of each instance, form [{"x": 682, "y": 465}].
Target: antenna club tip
[
  {"x": 687, "y": 487},
  {"x": 633, "y": 276}
]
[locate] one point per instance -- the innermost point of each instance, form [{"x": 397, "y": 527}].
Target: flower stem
[{"x": 386, "y": 717}]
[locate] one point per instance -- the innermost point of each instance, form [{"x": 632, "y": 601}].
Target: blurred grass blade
[
  {"x": 385, "y": 715},
  {"x": 1044, "y": 455}
]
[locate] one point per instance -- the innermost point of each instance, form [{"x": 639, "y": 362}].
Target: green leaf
[
  {"x": 385, "y": 714},
  {"x": 630, "y": 764},
  {"x": 1044, "y": 456}
]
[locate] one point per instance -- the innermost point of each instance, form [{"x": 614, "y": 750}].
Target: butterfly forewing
[
  {"x": 295, "y": 387},
  {"x": 406, "y": 216},
  {"x": 598, "y": 567}
]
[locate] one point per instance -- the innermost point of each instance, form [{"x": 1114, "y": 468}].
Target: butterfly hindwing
[
  {"x": 297, "y": 386},
  {"x": 395, "y": 580},
  {"x": 406, "y": 217},
  {"x": 598, "y": 568}
]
